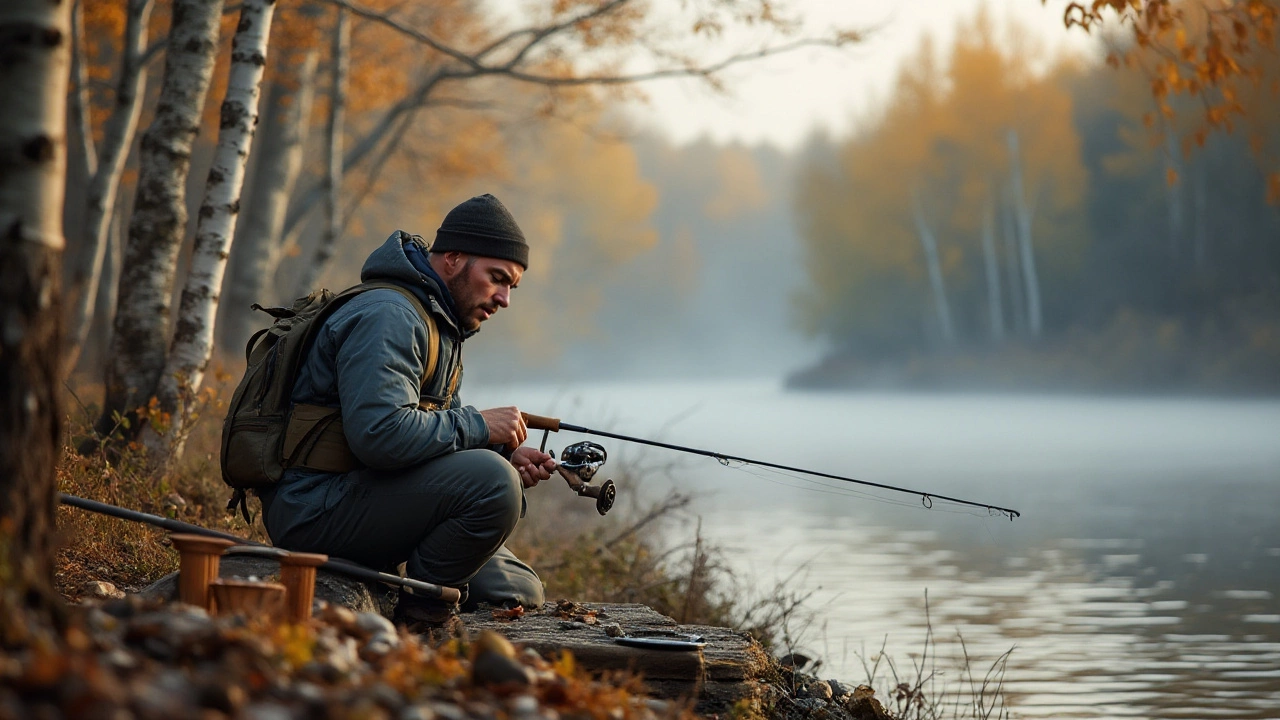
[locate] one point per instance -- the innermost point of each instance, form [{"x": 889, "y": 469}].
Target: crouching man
[{"x": 409, "y": 474}]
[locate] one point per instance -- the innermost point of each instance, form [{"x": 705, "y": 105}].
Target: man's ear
[{"x": 448, "y": 263}]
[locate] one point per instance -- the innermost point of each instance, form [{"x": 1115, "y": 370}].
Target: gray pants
[{"x": 447, "y": 519}]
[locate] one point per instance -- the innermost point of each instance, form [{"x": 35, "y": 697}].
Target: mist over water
[{"x": 1140, "y": 581}]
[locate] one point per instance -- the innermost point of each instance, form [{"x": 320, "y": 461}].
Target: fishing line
[
  {"x": 927, "y": 499},
  {"x": 817, "y": 486}
]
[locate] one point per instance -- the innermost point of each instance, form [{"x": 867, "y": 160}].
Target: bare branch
[
  {"x": 474, "y": 65},
  {"x": 548, "y": 30}
]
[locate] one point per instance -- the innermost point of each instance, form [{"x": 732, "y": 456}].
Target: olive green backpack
[{"x": 264, "y": 433}]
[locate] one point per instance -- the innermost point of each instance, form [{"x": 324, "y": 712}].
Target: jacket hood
[{"x": 389, "y": 263}]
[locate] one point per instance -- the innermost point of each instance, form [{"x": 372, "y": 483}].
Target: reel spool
[{"x": 578, "y": 465}]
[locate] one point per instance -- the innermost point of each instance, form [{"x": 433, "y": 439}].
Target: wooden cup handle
[{"x": 541, "y": 422}]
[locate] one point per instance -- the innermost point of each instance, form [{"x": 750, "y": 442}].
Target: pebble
[
  {"x": 817, "y": 689},
  {"x": 524, "y": 705},
  {"x": 102, "y": 590},
  {"x": 614, "y": 630},
  {"x": 418, "y": 712},
  {"x": 370, "y": 624},
  {"x": 839, "y": 690},
  {"x": 447, "y": 711},
  {"x": 810, "y": 705}
]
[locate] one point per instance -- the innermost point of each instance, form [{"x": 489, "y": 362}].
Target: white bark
[
  {"x": 934, "y": 265},
  {"x": 277, "y": 156},
  {"x": 157, "y": 226},
  {"x": 995, "y": 306},
  {"x": 104, "y": 182},
  {"x": 1017, "y": 299},
  {"x": 333, "y": 178},
  {"x": 36, "y": 39},
  {"x": 35, "y": 57},
  {"x": 193, "y": 335},
  {"x": 78, "y": 100},
  {"x": 1027, "y": 250}
]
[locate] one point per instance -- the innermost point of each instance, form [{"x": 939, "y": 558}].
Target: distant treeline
[{"x": 1009, "y": 220}]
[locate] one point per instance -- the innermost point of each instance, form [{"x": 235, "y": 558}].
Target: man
[{"x": 428, "y": 481}]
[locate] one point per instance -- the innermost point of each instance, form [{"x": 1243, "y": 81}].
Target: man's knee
[{"x": 496, "y": 482}]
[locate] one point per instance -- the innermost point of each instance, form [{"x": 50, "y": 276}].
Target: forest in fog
[
  {"x": 1008, "y": 219},
  {"x": 1002, "y": 217}
]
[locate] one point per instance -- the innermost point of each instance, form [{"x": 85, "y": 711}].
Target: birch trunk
[
  {"x": 278, "y": 154},
  {"x": 1027, "y": 251},
  {"x": 35, "y": 36},
  {"x": 333, "y": 178},
  {"x": 158, "y": 223},
  {"x": 193, "y": 334},
  {"x": 104, "y": 182},
  {"x": 78, "y": 100},
  {"x": 995, "y": 306},
  {"x": 934, "y": 266},
  {"x": 1017, "y": 299}
]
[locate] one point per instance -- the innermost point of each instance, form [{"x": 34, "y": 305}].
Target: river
[{"x": 1141, "y": 579}]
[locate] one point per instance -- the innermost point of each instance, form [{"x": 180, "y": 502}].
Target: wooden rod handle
[{"x": 541, "y": 422}]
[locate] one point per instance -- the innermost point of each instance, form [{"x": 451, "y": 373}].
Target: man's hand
[
  {"x": 506, "y": 427},
  {"x": 534, "y": 465}
]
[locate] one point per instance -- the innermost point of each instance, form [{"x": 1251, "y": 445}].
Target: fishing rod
[
  {"x": 336, "y": 565},
  {"x": 550, "y": 425}
]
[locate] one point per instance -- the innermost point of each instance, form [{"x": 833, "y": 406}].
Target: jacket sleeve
[{"x": 380, "y": 361}]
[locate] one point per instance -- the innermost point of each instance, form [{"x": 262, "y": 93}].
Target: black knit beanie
[{"x": 482, "y": 226}]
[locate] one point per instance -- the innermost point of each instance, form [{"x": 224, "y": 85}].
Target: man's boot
[{"x": 431, "y": 617}]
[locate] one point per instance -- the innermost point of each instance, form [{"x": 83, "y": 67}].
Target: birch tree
[
  {"x": 1022, "y": 216},
  {"x": 991, "y": 270},
  {"x": 193, "y": 333},
  {"x": 105, "y": 173},
  {"x": 35, "y": 41},
  {"x": 934, "y": 266},
  {"x": 1013, "y": 269},
  {"x": 333, "y": 152},
  {"x": 140, "y": 332},
  {"x": 278, "y": 157}
]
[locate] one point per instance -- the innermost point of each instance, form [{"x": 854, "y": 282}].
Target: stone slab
[{"x": 730, "y": 668}]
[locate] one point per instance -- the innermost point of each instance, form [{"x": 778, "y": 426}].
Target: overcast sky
[{"x": 781, "y": 100}]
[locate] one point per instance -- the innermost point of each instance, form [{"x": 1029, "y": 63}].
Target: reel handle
[{"x": 540, "y": 422}]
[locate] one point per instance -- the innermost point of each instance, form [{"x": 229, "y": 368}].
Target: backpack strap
[{"x": 314, "y": 438}]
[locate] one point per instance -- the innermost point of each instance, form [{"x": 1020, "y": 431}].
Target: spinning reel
[{"x": 578, "y": 465}]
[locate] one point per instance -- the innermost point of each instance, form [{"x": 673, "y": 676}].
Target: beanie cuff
[{"x": 483, "y": 245}]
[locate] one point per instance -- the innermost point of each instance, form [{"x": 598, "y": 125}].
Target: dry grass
[
  {"x": 131, "y": 555},
  {"x": 628, "y": 556},
  {"x": 922, "y": 692}
]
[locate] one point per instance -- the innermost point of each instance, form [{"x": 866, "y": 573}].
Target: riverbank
[{"x": 1127, "y": 359}]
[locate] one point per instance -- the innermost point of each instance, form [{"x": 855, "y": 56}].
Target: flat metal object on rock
[{"x": 662, "y": 640}]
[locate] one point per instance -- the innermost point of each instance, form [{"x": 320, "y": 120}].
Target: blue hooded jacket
[{"x": 368, "y": 359}]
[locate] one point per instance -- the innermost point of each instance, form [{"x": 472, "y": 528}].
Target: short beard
[{"x": 463, "y": 304}]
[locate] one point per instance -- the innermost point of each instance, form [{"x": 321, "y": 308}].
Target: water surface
[{"x": 1141, "y": 580}]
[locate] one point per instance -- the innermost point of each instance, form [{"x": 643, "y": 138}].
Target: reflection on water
[{"x": 1141, "y": 581}]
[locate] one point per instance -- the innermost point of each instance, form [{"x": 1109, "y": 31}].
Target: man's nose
[{"x": 503, "y": 297}]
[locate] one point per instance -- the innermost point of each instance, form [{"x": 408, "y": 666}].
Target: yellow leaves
[
  {"x": 295, "y": 643},
  {"x": 1171, "y": 177},
  {"x": 564, "y": 665}
]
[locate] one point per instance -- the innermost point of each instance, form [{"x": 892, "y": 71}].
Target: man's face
[{"x": 479, "y": 285}]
